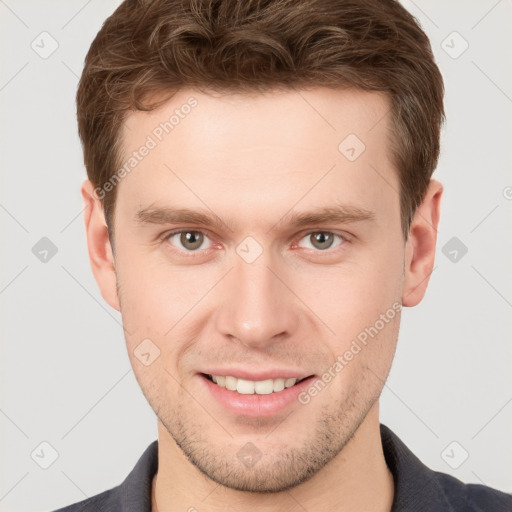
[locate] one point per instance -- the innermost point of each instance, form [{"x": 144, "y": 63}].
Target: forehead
[
  {"x": 259, "y": 150},
  {"x": 222, "y": 120}
]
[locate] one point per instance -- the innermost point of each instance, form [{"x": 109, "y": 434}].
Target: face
[{"x": 249, "y": 243}]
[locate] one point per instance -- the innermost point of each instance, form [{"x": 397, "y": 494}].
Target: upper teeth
[{"x": 250, "y": 387}]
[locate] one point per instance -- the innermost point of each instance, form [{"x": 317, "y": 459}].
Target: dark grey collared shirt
[{"x": 417, "y": 488}]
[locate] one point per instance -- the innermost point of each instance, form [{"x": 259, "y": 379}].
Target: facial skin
[{"x": 253, "y": 162}]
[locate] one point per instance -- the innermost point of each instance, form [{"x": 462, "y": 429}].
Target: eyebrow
[{"x": 328, "y": 215}]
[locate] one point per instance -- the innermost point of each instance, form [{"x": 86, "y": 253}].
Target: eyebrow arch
[
  {"x": 166, "y": 215},
  {"x": 333, "y": 215}
]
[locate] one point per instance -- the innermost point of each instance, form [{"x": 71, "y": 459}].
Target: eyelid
[
  {"x": 167, "y": 234},
  {"x": 345, "y": 237},
  {"x": 187, "y": 254}
]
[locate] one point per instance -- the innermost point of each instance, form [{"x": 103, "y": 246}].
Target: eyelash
[{"x": 199, "y": 252}]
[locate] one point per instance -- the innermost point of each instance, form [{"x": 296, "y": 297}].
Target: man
[{"x": 259, "y": 209}]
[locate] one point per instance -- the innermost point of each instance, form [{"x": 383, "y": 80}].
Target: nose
[{"x": 257, "y": 308}]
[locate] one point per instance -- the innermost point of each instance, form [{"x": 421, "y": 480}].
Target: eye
[
  {"x": 321, "y": 240},
  {"x": 190, "y": 240}
]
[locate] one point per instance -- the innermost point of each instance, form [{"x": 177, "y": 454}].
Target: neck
[{"x": 357, "y": 479}]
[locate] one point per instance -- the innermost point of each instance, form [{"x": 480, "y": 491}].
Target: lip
[{"x": 256, "y": 406}]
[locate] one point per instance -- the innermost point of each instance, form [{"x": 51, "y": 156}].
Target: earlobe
[
  {"x": 421, "y": 246},
  {"x": 99, "y": 248}
]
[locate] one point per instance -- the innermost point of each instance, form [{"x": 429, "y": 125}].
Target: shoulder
[
  {"x": 472, "y": 497},
  {"x": 421, "y": 489},
  {"x": 133, "y": 494}
]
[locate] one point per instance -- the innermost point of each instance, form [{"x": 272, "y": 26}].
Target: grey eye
[
  {"x": 321, "y": 240},
  {"x": 189, "y": 240}
]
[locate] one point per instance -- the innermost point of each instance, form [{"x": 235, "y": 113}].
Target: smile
[{"x": 250, "y": 387}]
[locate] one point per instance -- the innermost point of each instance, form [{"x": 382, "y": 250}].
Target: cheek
[
  {"x": 360, "y": 302},
  {"x": 154, "y": 296},
  {"x": 162, "y": 304},
  {"x": 354, "y": 294},
  {"x": 152, "y": 306}
]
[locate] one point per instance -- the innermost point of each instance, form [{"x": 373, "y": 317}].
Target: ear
[
  {"x": 421, "y": 246},
  {"x": 100, "y": 250}
]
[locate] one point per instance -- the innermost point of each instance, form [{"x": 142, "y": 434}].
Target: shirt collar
[{"x": 416, "y": 486}]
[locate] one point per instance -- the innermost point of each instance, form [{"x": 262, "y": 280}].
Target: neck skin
[{"x": 357, "y": 479}]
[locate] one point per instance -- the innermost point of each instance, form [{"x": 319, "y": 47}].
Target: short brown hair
[{"x": 150, "y": 47}]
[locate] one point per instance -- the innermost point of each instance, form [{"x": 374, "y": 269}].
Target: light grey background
[{"x": 65, "y": 374}]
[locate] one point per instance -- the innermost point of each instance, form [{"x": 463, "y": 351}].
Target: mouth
[
  {"x": 250, "y": 387},
  {"x": 269, "y": 398}
]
